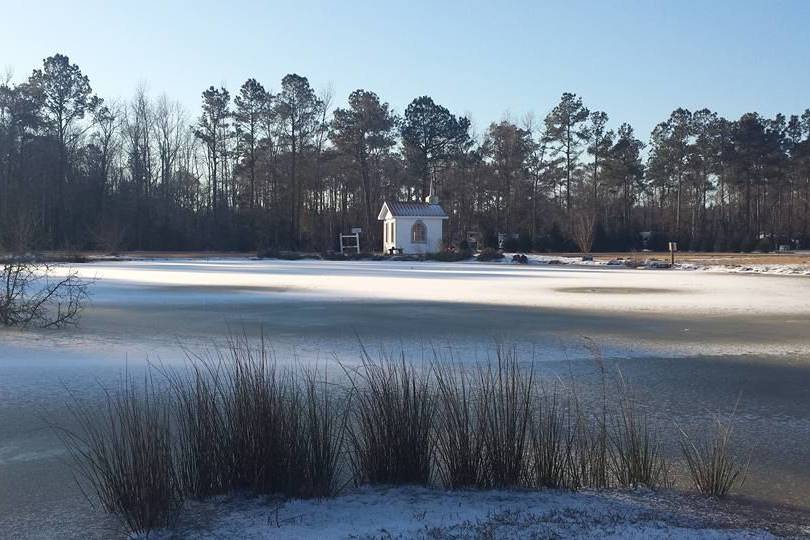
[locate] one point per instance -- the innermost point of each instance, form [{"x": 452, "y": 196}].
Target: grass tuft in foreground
[
  {"x": 124, "y": 454},
  {"x": 236, "y": 422},
  {"x": 391, "y": 428},
  {"x": 713, "y": 467}
]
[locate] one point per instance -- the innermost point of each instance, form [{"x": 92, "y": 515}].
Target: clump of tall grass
[
  {"x": 392, "y": 416},
  {"x": 236, "y": 422},
  {"x": 201, "y": 432},
  {"x": 327, "y": 417},
  {"x": 553, "y": 441},
  {"x": 636, "y": 450},
  {"x": 590, "y": 447},
  {"x": 506, "y": 397},
  {"x": 713, "y": 467},
  {"x": 459, "y": 437},
  {"x": 124, "y": 454},
  {"x": 245, "y": 424}
]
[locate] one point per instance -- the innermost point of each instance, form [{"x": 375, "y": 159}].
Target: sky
[{"x": 635, "y": 60}]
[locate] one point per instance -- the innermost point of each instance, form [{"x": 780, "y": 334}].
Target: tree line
[{"x": 287, "y": 170}]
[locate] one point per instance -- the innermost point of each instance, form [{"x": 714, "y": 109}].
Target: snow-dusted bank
[
  {"x": 412, "y": 512},
  {"x": 648, "y": 261}
]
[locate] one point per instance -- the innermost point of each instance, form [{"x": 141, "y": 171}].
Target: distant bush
[
  {"x": 449, "y": 256},
  {"x": 489, "y": 254},
  {"x": 489, "y": 240},
  {"x": 408, "y": 258},
  {"x": 46, "y": 258},
  {"x": 764, "y": 245},
  {"x": 351, "y": 256},
  {"x": 271, "y": 253},
  {"x": 747, "y": 245},
  {"x": 510, "y": 244},
  {"x": 524, "y": 242}
]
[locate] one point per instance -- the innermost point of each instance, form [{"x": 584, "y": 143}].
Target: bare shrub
[
  {"x": 34, "y": 295},
  {"x": 582, "y": 230},
  {"x": 123, "y": 453},
  {"x": 713, "y": 467},
  {"x": 391, "y": 428}
]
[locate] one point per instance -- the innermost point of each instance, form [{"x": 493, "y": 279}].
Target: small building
[{"x": 412, "y": 227}]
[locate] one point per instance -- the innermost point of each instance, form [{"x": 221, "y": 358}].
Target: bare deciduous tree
[
  {"x": 34, "y": 294},
  {"x": 582, "y": 229}
]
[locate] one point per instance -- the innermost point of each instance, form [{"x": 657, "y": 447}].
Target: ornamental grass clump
[
  {"x": 391, "y": 431},
  {"x": 713, "y": 466},
  {"x": 124, "y": 454}
]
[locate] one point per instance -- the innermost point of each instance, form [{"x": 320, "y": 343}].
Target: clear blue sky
[{"x": 636, "y": 60}]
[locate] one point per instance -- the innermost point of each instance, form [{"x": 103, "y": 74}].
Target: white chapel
[{"x": 413, "y": 227}]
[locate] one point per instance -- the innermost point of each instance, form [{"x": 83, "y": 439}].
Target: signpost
[
  {"x": 673, "y": 247},
  {"x": 346, "y": 240}
]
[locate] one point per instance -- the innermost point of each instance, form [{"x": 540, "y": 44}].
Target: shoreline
[{"x": 790, "y": 265}]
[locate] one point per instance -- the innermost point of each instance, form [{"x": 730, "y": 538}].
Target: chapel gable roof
[{"x": 411, "y": 209}]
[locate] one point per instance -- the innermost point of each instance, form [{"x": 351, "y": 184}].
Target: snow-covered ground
[
  {"x": 774, "y": 269},
  {"x": 413, "y": 512},
  {"x": 692, "y": 342},
  {"x": 653, "y": 260}
]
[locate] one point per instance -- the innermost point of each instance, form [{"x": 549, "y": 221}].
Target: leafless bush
[
  {"x": 582, "y": 230},
  {"x": 35, "y": 295},
  {"x": 391, "y": 429},
  {"x": 589, "y": 451},
  {"x": 713, "y": 467},
  {"x": 123, "y": 453}
]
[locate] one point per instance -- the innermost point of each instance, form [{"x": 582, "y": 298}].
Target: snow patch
[{"x": 415, "y": 512}]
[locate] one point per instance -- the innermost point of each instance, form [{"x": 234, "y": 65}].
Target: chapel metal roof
[{"x": 414, "y": 209}]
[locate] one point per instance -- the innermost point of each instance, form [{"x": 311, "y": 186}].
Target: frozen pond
[{"x": 690, "y": 342}]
